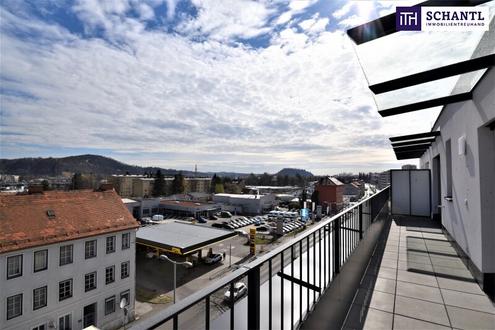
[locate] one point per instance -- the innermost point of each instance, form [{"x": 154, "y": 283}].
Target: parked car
[
  {"x": 262, "y": 229},
  {"x": 146, "y": 221},
  {"x": 225, "y": 214},
  {"x": 213, "y": 259},
  {"x": 218, "y": 225},
  {"x": 240, "y": 289},
  {"x": 212, "y": 217},
  {"x": 241, "y": 232},
  {"x": 202, "y": 220}
]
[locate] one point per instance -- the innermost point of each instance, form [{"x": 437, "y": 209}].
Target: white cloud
[
  {"x": 294, "y": 7},
  {"x": 223, "y": 21},
  {"x": 343, "y": 11},
  {"x": 314, "y": 25},
  {"x": 166, "y": 100}
]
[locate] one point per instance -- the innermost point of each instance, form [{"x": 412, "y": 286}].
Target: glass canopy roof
[{"x": 413, "y": 70}]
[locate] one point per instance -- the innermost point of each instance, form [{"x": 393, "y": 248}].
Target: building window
[
  {"x": 14, "y": 306},
  {"x": 40, "y": 327},
  {"x": 110, "y": 244},
  {"x": 90, "y": 249},
  {"x": 109, "y": 274},
  {"x": 39, "y": 298},
  {"x": 146, "y": 211},
  {"x": 127, "y": 295},
  {"x": 64, "y": 289},
  {"x": 66, "y": 254},
  {"x": 89, "y": 281},
  {"x": 124, "y": 269},
  {"x": 40, "y": 260},
  {"x": 126, "y": 241},
  {"x": 110, "y": 305},
  {"x": 65, "y": 322},
  {"x": 14, "y": 266}
]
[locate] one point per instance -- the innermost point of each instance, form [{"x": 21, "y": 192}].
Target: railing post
[
  {"x": 336, "y": 245},
  {"x": 253, "y": 299},
  {"x": 360, "y": 217}
]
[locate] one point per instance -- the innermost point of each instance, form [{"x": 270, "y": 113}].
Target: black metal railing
[{"x": 283, "y": 286}]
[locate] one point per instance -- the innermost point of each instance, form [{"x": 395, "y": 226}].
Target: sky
[{"x": 230, "y": 85}]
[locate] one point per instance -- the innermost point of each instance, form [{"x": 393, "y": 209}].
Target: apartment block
[{"x": 68, "y": 260}]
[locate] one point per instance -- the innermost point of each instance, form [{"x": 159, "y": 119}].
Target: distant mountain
[
  {"x": 98, "y": 165},
  {"x": 293, "y": 172}
]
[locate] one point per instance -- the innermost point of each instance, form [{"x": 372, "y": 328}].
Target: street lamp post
[{"x": 185, "y": 263}]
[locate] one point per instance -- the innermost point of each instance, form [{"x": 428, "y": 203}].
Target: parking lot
[{"x": 154, "y": 277}]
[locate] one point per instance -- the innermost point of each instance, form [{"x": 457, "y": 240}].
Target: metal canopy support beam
[
  {"x": 434, "y": 74},
  {"x": 426, "y": 104},
  {"x": 397, "y": 152},
  {"x": 415, "y": 136},
  {"x": 412, "y": 146},
  {"x": 411, "y": 142},
  {"x": 413, "y": 153},
  {"x": 410, "y": 155},
  {"x": 385, "y": 25}
]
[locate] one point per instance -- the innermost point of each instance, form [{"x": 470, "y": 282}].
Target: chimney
[{"x": 35, "y": 189}]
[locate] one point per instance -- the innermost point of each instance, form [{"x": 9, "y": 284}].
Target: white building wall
[
  {"x": 469, "y": 217},
  {"x": 55, "y": 273},
  {"x": 248, "y": 204}
]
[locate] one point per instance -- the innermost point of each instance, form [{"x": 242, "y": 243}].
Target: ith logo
[{"x": 408, "y": 19}]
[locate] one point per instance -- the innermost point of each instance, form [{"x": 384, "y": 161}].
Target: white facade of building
[
  {"x": 249, "y": 204},
  {"x": 69, "y": 312},
  {"x": 462, "y": 163}
]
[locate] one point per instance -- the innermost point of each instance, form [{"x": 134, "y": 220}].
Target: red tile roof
[{"x": 24, "y": 220}]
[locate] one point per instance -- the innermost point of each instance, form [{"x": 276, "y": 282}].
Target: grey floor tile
[
  {"x": 362, "y": 317},
  {"x": 422, "y": 310},
  {"x": 468, "y": 301},
  {"x": 418, "y": 291},
  {"x": 435, "y": 236},
  {"x": 458, "y": 285},
  {"x": 380, "y": 284},
  {"x": 467, "y": 319},
  {"x": 391, "y": 249},
  {"x": 450, "y": 272},
  {"x": 421, "y": 249},
  {"x": 442, "y": 250},
  {"x": 452, "y": 262},
  {"x": 389, "y": 259},
  {"x": 375, "y": 299},
  {"x": 412, "y": 277},
  {"x": 407, "y": 323},
  {"x": 432, "y": 244},
  {"x": 390, "y": 255},
  {"x": 415, "y": 257},
  {"x": 413, "y": 246},
  {"x": 389, "y": 263},
  {"x": 388, "y": 273},
  {"x": 405, "y": 265}
]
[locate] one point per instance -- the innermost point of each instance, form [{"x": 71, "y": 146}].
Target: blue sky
[{"x": 228, "y": 85}]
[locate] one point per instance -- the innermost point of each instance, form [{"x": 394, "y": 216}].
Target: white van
[{"x": 157, "y": 217}]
